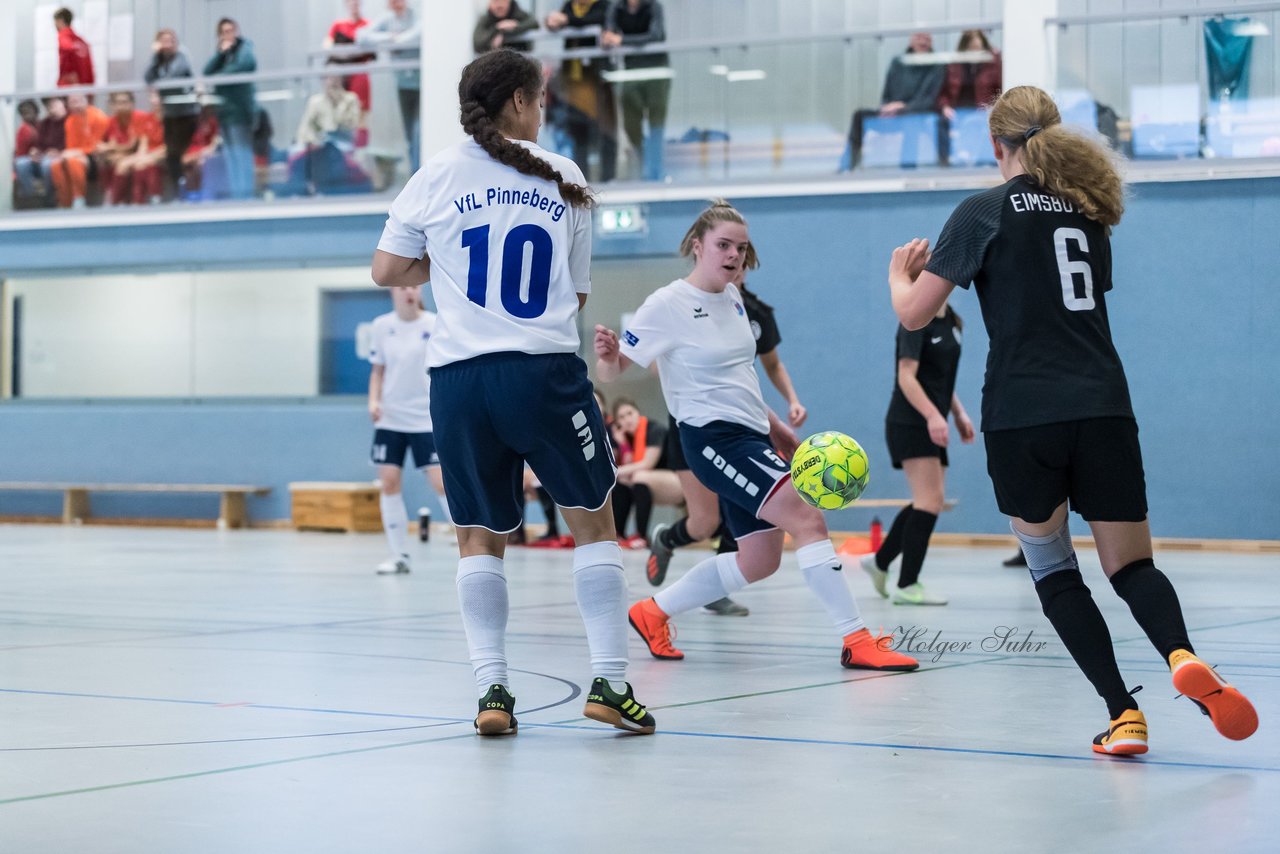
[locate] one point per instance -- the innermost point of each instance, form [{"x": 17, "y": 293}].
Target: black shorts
[
  {"x": 390, "y": 447},
  {"x": 673, "y": 454},
  {"x": 909, "y": 441},
  {"x": 1095, "y": 463}
]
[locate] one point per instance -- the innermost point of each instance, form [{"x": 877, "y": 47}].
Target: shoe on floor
[
  {"x": 497, "y": 712},
  {"x": 659, "y": 556},
  {"x": 394, "y": 566},
  {"x": 861, "y": 651},
  {"x": 654, "y": 628},
  {"x": 726, "y": 607},
  {"x": 618, "y": 710},
  {"x": 634, "y": 543},
  {"x": 1231, "y": 712},
  {"x": 915, "y": 594},
  {"x": 879, "y": 577},
  {"x": 1019, "y": 559},
  {"x": 1126, "y": 736}
]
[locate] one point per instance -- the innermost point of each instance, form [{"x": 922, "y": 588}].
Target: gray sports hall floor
[{"x": 263, "y": 691}]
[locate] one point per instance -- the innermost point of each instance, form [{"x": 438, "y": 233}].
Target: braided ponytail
[{"x": 487, "y": 84}]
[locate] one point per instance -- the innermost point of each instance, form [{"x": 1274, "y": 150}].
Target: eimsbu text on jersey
[{"x": 498, "y": 196}]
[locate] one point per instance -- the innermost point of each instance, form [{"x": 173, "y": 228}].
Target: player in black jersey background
[{"x": 1059, "y": 429}]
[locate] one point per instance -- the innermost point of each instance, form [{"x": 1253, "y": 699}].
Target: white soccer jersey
[
  {"x": 401, "y": 347},
  {"x": 705, "y": 352},
  {"x": 508, "y": 255}
]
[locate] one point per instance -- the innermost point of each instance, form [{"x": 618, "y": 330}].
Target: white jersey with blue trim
[
  {"x": 508, "y": 255},
  {"x": 401, "y": 347},
  {"x": 705, "y": 352}
]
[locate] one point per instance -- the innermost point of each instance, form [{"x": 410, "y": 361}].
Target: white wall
[{"x": 176, "y": 335}]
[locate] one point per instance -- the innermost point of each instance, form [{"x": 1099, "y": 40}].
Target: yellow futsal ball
[{"x": 829, "y": 470}]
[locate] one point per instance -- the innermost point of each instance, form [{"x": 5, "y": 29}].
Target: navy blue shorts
[
  {"x": 739, "y": 465},
  {"x": 390, "y": 447},
  {"x": 498, "y": 411}
]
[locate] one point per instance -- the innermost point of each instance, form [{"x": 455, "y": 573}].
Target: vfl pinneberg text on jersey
[{"x": 500, "y": 196}]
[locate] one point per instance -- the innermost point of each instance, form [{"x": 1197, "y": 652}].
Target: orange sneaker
[
  {"x": 1126, "y": 736},
  {"x": 1231, "y": 712},
  {"x": 863, "y": 652},
  {"x": 653, "y": 627}
]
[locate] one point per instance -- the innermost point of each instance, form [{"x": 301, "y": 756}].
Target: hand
[
  {"x": 556, "y": 20},
  {"x": 892, "y": 108},
  {"x": 155, "y": 47},
  {"x": 225, "y": 45},
  {"x": 965, "y": 426},
  {"x": 783, "y": 439},
  {"x": 797, "y": 414},
  {"x": 950, "y": 113},
  {"x": 507, "y": 25},
  {"x": 626, "y": 475},
  {"x": 606, "y": 343},
  {"x": 938, "y": 432},
  {"x": 611, "y": 39},
  {"x": 909, "y": 260},
  {"x": 375, "y": 411},
  {"x": 495, "y": 42}
]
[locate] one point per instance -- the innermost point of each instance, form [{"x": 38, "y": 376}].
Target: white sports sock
[
  {"x": 482, "y": 592},
  {"x": 821, "y": 569},
  {"x": 395, "y": 521},
  {"x": 601, "y": 590},
  {"x": 712, "y": 579}
]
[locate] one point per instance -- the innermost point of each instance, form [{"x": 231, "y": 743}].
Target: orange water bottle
[{"x": 876, "y": 534}]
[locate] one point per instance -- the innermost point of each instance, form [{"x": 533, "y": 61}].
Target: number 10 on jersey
[{"x": 526, "y": 306}]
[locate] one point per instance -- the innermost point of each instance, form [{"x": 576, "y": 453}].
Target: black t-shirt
[
  {"x": 763, "y": 326},
  {"x": 937, "y": 348},
  {"x": 1042, "y": 270}
]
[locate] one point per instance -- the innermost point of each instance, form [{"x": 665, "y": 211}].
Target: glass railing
[{"x": 1176, "y": 84}]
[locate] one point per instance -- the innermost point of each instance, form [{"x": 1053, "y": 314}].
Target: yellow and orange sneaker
[
  {"x": 863, "y": 652},
  {"x": 1126, "y": 736},
  {"x": 654, "y": 629},
  {"x": 1231, "y": 712}
]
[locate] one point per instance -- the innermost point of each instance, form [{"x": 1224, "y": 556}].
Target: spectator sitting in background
[
  {"x": 343, "y": 32},
  {"x": 908, "y": 88},
  {"x": 85, "y": 127},
  {"x": 971, "y": 84},
  {"x": 146, "y": 166},
  {"x": 128, "y": 133},
  {"x": 51, "y": 138},
  {"x": 26, "y": 151},
  {"x": 75, "y": 63},
  {"x": 204, "y": 145},
  {"x": 500, "y": 26},
  {"x": 181, "y": 111},
  {"x": 326, "y": 134},
  {"x": 237, "y": 105}
]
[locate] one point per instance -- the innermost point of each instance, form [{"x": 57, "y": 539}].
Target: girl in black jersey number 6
[{"x": 1056, "y": 416}]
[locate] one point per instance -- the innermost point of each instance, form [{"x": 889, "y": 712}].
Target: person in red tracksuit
[{"x": 75, "y": 64}]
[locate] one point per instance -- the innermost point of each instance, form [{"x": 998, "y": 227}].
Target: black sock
[
  {"x": 623, "y": 499},
  {"x": 644, "y": 508},
  {"x": 1154, "y": 604},
  {"x": 1067, "y": 603},
  {"x": 892, "y": 545},
  {"x": 915, "y": 543},
  {"x": 727, "y": 542},
  {"x": 677, "y": 535},
  {"x": 548, "y": 510}
]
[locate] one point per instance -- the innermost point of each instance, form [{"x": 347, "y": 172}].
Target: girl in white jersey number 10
[
  {"x": 697, "y": 331},
  {"x": 502, "y": 229}
]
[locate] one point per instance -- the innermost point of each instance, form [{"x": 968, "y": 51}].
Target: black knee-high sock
[
  {"x": 549, "y": 510},
  {"x": 915, "y": 543},
  {"x": 623, "y": 499},
  {"x": 1154, "y": 604},
  {"x": 892, "y": 545},
  {"x": 1069, "y": 605},
  {"x": 644, "y": 508},
  {"x": 677, "y": 535},
  {"x": 727, "y": 542}
]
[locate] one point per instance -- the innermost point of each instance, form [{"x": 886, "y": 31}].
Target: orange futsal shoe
[
  {"x": 653, "y": 627},
  {"x": 1230, "y": 711},
  {"x": 864, "y": 652},
  {"x": 1126, "y": 736}
]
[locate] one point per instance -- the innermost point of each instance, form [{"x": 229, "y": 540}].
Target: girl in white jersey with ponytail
[
  {"x": 502, "y": 229},
  {"x": 696, "y": 329}
]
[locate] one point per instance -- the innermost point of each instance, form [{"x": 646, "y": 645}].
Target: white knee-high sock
[
  {"x": 601, "y": 589},
  {"x": 821, "y": 569},
  {"x": 482, "y": 592},
  {"x": 395, "y": 521},
  {"x": 714, "y": 578}
]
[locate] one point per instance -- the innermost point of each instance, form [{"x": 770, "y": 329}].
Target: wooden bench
[
  {"x": 75, "y": 500},
  {"x": 329, "y": 506},
  {"x": 947, "y": 504}
]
